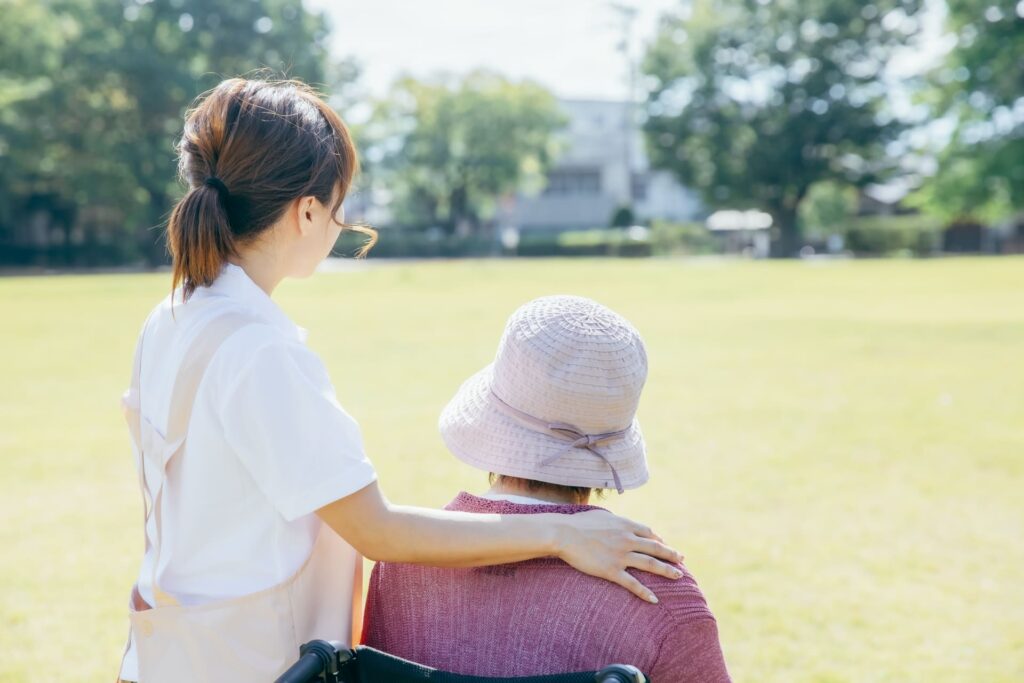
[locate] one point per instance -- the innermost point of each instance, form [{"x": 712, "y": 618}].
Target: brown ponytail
[
  {"x": 199, "y": 238},
  {"x": 249, "y": 148}
]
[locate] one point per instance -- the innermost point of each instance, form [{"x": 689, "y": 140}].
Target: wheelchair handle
[
  {"x": 319, "y": 660},
  {"x": 620, "y": 673}
]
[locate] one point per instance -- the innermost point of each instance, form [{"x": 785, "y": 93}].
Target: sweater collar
[{"x": 467, "y": 502}]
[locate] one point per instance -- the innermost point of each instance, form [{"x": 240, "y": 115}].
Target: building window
[{"x": 574, "y": 182}]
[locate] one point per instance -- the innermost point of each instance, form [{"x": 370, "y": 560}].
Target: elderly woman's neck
[{"x": 508, "y": 486}]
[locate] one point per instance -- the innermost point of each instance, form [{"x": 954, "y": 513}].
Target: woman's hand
[{"x": 603, "y": 545}]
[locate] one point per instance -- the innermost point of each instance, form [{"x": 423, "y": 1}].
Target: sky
[{"x": 569, "y": 46}]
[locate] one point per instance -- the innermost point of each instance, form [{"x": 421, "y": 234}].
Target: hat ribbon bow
[{"x": 564, "y": 431}]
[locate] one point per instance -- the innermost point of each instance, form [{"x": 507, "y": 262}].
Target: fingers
[
  {"x": 606, "y": 547},
  {"x": 655, "y": 549},
  {"x": 630, "y": 583},
  {"x": 646, "y": 532},
  {"x": 649, "y": 564},
  {"x": 650, "y": 543}
]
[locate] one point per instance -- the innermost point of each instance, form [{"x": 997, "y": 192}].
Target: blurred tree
[
  {"x": 100, "y": 91},
  {"x": 622, "y": 217},
  {"x": 980, "y": 174},
  {"x": 450, "y": 148},
  {"x": 827, "y": 209},
  {"x": 753, "y": 102},
  {"x": 31, "y": 42}
]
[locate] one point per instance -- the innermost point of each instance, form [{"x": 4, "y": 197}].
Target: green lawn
[{"x": 838, "y": 448}]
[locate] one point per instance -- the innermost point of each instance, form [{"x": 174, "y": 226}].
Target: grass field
[{"x": 837, "y": 448}]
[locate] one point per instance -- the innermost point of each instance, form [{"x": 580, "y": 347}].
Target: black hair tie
[{"x": 218, "y": 184}]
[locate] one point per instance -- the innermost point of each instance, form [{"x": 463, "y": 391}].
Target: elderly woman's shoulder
[{"x": 681, "y": 598}]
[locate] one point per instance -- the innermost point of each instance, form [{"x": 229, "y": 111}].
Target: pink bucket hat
[{"x": 558, "y": 404}]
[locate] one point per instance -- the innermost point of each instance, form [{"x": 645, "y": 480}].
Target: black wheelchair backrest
[{"x": 322, "y": 661}]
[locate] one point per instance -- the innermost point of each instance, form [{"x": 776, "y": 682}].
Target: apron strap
[
  {"x": 131, "y": 407},
  {"x": 186, "y": 385}
]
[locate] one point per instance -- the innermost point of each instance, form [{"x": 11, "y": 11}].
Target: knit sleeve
[
  {"x": 690, "y": 651},
  {"x": 692, "y": 654}
]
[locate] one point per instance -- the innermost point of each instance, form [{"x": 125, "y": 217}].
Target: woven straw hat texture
[{"x": 561, "y": 359}]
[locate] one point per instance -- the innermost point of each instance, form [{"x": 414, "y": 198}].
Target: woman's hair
[{"x": 249, "y": 148}]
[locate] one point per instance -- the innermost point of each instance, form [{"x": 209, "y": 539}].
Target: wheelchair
[{"x": 322, "y": 661}]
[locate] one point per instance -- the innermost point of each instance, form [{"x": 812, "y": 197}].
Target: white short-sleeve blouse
[{"x": 267, "y": 445}]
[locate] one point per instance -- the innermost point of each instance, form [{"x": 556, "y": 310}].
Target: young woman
[{"x": 259, "y": 494}]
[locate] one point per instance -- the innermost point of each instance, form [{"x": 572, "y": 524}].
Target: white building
[{"x": 603, "y": 166}]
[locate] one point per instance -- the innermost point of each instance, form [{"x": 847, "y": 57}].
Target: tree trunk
[
  {"x": 458, "y": 209},
  {"x": 787, "y": 242}
]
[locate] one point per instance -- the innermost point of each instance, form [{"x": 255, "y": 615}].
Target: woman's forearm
[
  {"x": 398, "y": 533},
  {"x": 461, "y": 539}
]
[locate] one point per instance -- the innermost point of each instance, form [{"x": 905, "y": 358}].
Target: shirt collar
[
  {"x": 521, "y": 500},
  {"x": 235, "y": 284}
]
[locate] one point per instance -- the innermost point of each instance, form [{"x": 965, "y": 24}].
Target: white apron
[{"x": 252, "y": 637}]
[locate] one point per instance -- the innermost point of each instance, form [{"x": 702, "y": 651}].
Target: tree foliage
[
  {"x": 827, "y": 209},
  {"x": 449, "y": 149},
  {"x": 755, "y": 102},
  {"x": 980, "y": 174},
  {"x": 94, "y": 94}
]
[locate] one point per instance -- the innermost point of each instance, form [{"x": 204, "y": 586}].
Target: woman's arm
[{"x": 596, "y": 543}]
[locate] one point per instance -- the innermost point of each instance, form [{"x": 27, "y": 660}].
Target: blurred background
[
  {"x": 579, "y": 128},
  {"x": 835, "y": 405}
]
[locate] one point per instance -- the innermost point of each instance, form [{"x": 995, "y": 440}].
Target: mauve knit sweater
[{"x": 539, "y": 617}]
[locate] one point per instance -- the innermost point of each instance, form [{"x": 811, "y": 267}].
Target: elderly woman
[{"x": 552, "y": 419}]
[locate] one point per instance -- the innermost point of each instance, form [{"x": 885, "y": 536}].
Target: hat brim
[{"x": 482, "y": 436}]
